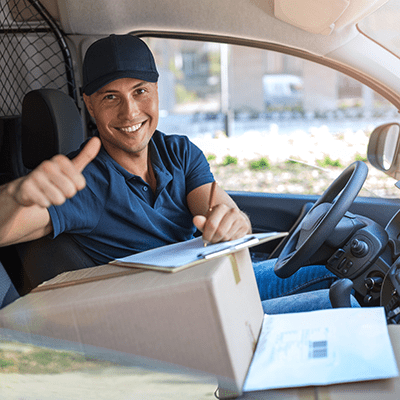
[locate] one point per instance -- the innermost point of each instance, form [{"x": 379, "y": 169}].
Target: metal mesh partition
[{"x": 33, "y": 54}]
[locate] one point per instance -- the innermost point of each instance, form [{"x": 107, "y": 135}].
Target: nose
[{"x": 128, "y": 109}]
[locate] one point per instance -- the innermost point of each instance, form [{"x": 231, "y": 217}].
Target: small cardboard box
[
  {"x": 207, "y": 317},
  {"x": 385, "y": 389}
]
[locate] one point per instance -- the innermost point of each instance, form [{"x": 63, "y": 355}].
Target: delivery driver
[{"x": 132, "y": 188}]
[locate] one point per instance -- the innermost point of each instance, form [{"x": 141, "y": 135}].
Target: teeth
[{"x": 131, "y": 128}]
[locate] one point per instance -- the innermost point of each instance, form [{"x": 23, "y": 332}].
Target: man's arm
[
  {"x": 224, "y": 222},
  {"x": 19, "y": 223},
  {"x": 23, "y": 202}
]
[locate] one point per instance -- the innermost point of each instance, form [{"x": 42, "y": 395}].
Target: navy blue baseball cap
[{"x": 115, "y": 57}]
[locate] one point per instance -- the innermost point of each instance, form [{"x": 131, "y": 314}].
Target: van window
[{"x": 268, "y": 122}]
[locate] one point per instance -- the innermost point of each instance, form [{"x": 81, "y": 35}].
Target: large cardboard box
[{"x": 207, "y": 317}]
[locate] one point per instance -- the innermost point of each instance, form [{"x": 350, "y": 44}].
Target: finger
[
  {"x": 234, "y": 225},
  {"x": 88, "y": 153},
  {"x": 58, "y": 191},
  {"x": 52, "y": 182},
  {"x": 224, "y": 224},
  {"x": 199, "y": 222},
  {"x": 47, "y": 185},
  {"x": 63, "y": 174},
  {"x": 235, "y": 231},
  {"x": 210, "y": 225},
  {"x": 52, "y": 196},
  {"x": 26, "y": 192}
]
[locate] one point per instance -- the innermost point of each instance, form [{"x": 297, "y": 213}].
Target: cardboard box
[
  {"x": 385, "y": 389},
  {"x": 207, "y": 317}
]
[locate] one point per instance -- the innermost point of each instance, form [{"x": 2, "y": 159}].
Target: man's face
[{"x": 126, "y": 114}]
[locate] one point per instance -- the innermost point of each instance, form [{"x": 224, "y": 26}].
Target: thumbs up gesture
[{"x": 54, "y": 180}]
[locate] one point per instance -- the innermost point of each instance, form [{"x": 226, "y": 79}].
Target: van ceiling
[{"x": 246, "y": 19}]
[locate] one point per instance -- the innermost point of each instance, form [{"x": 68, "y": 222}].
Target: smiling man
[
  {"x": 133, "y": 188},
  {"x": 126, "y": 114},
  {"x": 143, "y": 189}
]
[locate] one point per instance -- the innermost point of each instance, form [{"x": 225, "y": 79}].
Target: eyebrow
[{"x": 143, "y": 83}]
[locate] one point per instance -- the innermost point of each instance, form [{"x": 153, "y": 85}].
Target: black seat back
[
  {"x": 45, "y": 258},
  {"x": 50, "y": 124}
]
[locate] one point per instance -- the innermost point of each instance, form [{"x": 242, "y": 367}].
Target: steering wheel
[{"x": 321, "y": 220}]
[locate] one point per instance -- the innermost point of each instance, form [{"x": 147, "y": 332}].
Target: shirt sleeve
[
  {"x": 197, "y": 168},
  {"x": 79, "y": 214}
]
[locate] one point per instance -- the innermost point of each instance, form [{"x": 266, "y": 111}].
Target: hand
[
  {"x": 54, "y": 180},
  {"x": 222, "y": 223}
]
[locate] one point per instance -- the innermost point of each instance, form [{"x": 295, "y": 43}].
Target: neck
[{"x": 138, "y": 164}]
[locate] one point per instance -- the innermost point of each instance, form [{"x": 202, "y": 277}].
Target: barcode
[{"x": 318, "y": 349}]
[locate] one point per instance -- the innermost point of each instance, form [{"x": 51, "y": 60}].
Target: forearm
[
  {"x": 8, "y": 215},
  {"x": 24, "y": 201},
  {"x": 20, "y": 223}
]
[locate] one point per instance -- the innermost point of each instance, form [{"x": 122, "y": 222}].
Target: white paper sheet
[
  {"x": 178, "y": 254},
  {"x": 321, "y": 348}
]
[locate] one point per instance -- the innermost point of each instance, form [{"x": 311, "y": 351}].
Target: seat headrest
[{"x": 50, "y": 124}]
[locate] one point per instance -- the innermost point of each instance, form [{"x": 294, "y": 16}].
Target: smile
[{"x": 132, "y": 128}]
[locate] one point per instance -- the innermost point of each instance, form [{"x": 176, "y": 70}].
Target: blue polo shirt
[{"x": 117, "y": 214}]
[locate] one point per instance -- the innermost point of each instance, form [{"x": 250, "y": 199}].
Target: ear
[{"x": 88, "y": 102}]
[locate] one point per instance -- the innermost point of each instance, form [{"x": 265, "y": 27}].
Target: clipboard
[{"x": 178, "y": 256}]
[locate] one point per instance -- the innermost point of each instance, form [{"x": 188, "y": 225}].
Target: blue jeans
[{"x": 305, "y": 290}]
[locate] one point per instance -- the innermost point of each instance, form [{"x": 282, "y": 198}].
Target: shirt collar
[{"x": 162, "y": 174}]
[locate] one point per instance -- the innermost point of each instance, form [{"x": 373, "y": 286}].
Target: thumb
[
  {"x": 199, "y": 222},
  {"x": 88, "y": 153}
]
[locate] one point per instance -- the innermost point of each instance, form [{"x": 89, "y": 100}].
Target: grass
[
  {"x": 211, "y": 157},
  {"x": 45, "y": 361},
  {"x": 328, "y": 162},
  {"x": 228, "y": 160},
  {"x": 262, "y": 163},
  {"x": 292, "y": 177},
  {"x": 359, "y": 157}
]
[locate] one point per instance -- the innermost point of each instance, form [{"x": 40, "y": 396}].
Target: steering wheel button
[
  {"x": 342, "y": 263},
  {"x": 335, "y": 258},
  {"x": 339, "y": 253},
  {"x": 349, "y": 264}
]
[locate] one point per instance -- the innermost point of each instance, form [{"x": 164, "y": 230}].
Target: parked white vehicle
[{"x": 282, "y": 91}]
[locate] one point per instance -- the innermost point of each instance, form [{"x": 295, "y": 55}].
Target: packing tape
[{"x": 235, "y": 268}]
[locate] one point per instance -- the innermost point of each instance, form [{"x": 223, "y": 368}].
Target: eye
[
  {"x": 109, "y": 97},
  {"x": 140, "y": 91}
]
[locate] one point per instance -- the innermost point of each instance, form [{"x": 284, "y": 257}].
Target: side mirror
[{"x": 384, "y": 148}]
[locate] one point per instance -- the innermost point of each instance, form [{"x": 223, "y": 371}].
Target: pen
[
  {"x": 211, "y": 201},
  {"x": 212, "y": 196}
]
